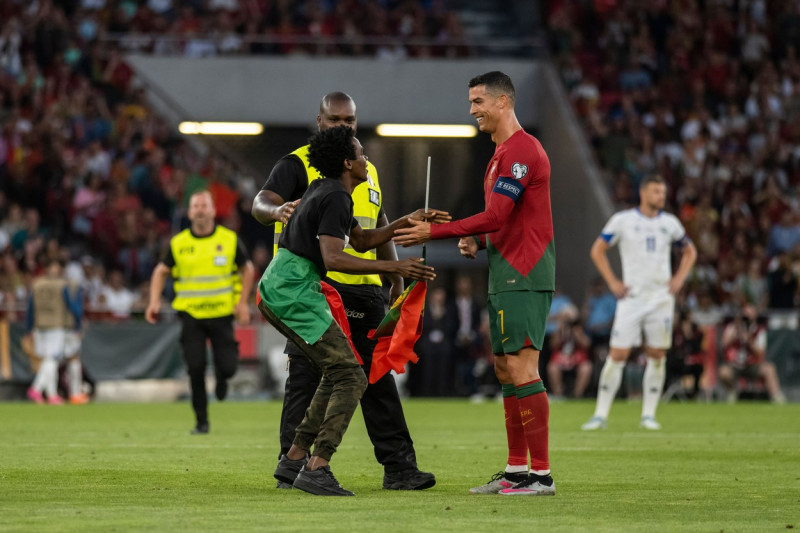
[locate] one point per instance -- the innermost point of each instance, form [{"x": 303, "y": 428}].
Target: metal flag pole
[
  {"x": 427, "y": 195},
  {"x": 428, "y": 184}
]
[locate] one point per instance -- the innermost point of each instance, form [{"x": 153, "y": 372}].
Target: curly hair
[{"x": 329, "y": 148}]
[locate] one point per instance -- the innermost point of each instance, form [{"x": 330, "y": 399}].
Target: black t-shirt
[
  {"x": 240, "y": 259},
  {"x": 288, "y": 178},
  {"x": 326, "y": 209}
]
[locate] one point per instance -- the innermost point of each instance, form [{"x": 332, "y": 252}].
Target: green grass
[{"x": 132, "y": 467}]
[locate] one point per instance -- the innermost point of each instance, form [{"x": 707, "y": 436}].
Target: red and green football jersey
[{"x": 517, "y": 225}]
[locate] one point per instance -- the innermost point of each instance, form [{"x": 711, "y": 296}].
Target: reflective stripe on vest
[
  {"x": 205, "y": 273},
  {"x": 367, "y": 202}
]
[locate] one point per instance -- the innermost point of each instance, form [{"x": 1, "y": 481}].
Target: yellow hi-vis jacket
[
  {"x": 205, "y": 273},
  {"x": 366, "y": 208}
]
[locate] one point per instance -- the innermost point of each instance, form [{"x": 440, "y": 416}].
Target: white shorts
[
  {"x": 49, "y": 343},
  {"x": 651, "y": 313},
  {"x": 72, "y": 343}
]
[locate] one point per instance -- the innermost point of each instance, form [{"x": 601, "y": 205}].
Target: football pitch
[{"x": 134, "y": 467}]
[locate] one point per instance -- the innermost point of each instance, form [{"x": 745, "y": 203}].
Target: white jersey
[{"x": 645, "y": 246}]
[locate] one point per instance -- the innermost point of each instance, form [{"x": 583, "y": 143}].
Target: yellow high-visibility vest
[
  {"x": 205, "y": 273},
  {"x": 367, "y": 202}
]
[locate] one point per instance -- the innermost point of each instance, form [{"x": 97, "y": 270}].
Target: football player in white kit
[{"x": 645, "y": 295}]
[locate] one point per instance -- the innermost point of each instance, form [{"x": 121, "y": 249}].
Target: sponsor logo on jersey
[
  {"x": 353, "y": 314},
  {"x": 220, "y": 260},
  {"x": 186, "y": 250},
  {"x": 519, "y": 170},
  {"x": 374, "y": 197}
]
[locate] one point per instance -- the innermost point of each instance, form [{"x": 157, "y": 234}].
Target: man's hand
[
  {"x": 151, "y": 313},
  {"x": 434, "y": 216},
  {"x": 618, "y": 289},
  {"x": 468, "y": 247},
  {"x": 285, "y": 212},
  {"x": 417, "y": 233},
  {"x": 675, "y": 285},
  {"x": 242, "y": 313},
  {"x": 394, "y": 292},
  {"x": 414, "y": 268}
]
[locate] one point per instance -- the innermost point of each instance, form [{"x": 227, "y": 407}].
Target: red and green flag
[{"x": 398, "y": 332}]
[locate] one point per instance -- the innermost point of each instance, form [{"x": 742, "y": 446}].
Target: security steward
[
  {"x": 363, "y": 299},
  {"x": 213, "y": 279}
]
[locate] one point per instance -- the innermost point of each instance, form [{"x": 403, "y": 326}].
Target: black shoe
[
  {"x": 288, "y": 469},
  {"x": 408, "y": 480},
  {"x": 320, "y": 482},
  {"x": 221, "y": 390},
  {"x": 200, "y": 429},
  {"x": 283, "y": 485}
]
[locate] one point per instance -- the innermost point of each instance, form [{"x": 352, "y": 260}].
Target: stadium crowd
[
  {"x": 385, "y": 28},
  {"x": 707, "y": 94}
]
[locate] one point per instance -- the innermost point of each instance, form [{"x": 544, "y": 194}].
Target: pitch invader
[{"x": 646, "y": 295}]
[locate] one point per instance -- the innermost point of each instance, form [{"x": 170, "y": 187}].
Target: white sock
[
  {"x": 541, "y": 472},
  {"x": 39, "y": 379},
  {"x": 75, "y": 375},
  {"x": 48, "y": 371},
  {"x": 652, "y": 385},
  {"x": 610, "y": 380},
  {"x": 516, "y": 469}
]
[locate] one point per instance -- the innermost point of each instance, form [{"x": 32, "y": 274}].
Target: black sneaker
[
  {"x": 408, "y": 480},
  {"x": 283, "y": 485},
  {"x": 288, "y": 469},
  {"x": 221, "y": 390},
  {"x": 320, "y": 482},
  {"x": 200, "y": 429}
]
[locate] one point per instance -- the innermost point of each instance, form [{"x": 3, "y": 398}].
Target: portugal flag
[{"x": 398, "y": 332}]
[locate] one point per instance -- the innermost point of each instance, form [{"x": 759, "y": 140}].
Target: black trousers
[
  {"x": 380, "y": 404},
  {"x": 194, "y": 334}
]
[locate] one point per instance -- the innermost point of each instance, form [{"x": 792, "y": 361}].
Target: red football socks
[
  {"x": 517, "y": 443},
  {"x": 534, "y": 411}
]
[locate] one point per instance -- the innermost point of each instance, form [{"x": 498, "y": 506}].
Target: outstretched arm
[
  {"x": 489, "y": 221},
  {"x": 335, "y": 258},
  {"x": 362, "y": 240}
]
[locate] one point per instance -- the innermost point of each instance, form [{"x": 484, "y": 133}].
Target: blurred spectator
[
  {"x": 569, "y": 358},
  {"x": 752, "y": 286},
  {"x": 434, "y": 374},
  {"x": 561, "y": 308},
  {"x": 686, "y": 363},
  {"x": 115, "y": 298},
  {"x": 744, "y": 346},
  {"x": 598, "y": 317},
  {"x": 784, "y": 235},
  {"x": 782, "y": 281},
  {"x": 467, "y": 343}
]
